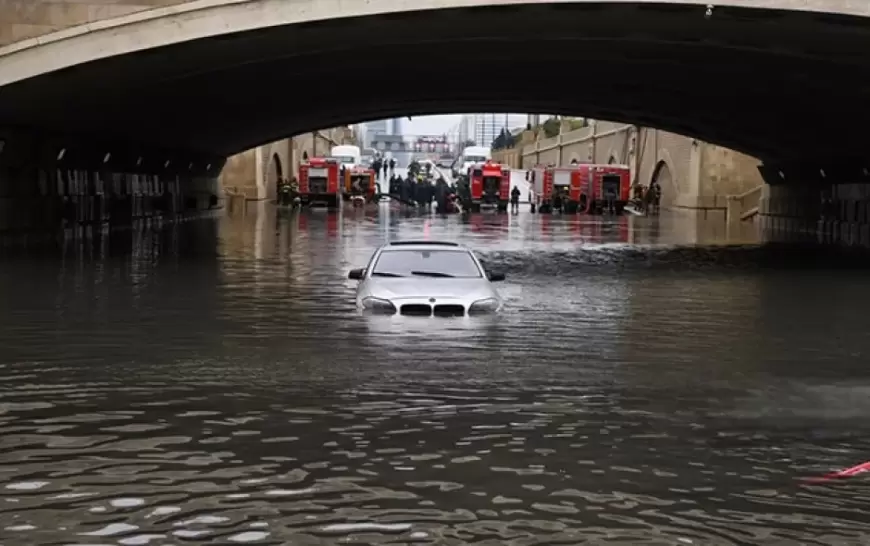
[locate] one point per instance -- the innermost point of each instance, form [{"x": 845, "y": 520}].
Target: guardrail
[{"x": 743, "y": 206}]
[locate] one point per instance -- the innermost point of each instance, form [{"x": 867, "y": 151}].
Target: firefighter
[
  {"x": 610, "y": 199},
  {"x": 441, "y": 190},
  {"x": 286, "y": 191},
  {"x": 392, "y": 166},
  {"x": 515, "y": 200},
  {"x": 657, "y": 195},
  {"x": 294, "y": 190}
]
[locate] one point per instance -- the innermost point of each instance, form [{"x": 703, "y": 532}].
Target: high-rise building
[
  {"x": 487, "y": 127},
  {"x": 396, "y": 126},
  {"x": 373, "y": 129}
]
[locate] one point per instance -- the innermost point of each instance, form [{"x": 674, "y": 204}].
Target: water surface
[{"x": 645, "y": 385}]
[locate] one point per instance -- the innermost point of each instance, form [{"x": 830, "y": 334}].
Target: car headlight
[
  {"x": 378, "y": 305},
  {"x": 489, "y": 305}
]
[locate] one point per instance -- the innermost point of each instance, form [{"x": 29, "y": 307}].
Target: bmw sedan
[{"x": 426, "y": 278}]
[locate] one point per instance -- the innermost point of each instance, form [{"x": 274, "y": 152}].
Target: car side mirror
[
  {"x": 356, "y": 274},
  {"x": 495, "y": 276}
]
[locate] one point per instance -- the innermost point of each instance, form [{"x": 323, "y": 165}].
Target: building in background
[
  {"x": 396, "y": 126},
  {"x": 482, "y": 129},
  {"x": 374, "y": 129}
]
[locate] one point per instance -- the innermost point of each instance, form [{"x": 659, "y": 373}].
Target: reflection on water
[{"x": 212, "y": 384}]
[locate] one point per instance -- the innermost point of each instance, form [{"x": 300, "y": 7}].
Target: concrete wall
[
  {"x": 255, "y": 173},
  {"x": 693, "y": 174},
  {"x": 23, "y": 19}
]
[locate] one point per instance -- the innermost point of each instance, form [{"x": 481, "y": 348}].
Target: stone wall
[
  {"x": 23, "y": 19},
  {"x": 511, "y": 157},
  {"x": 255, "y": 173},
  {"x": 693, "y": 174}
]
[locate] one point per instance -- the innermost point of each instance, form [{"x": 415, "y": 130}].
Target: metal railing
[{"x": 745, "y": 205}]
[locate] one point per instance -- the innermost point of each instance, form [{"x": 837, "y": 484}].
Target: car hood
[{"x": 426, "y": 287}]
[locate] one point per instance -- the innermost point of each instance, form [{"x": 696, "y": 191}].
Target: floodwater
[{"x": 645, "y": 385}]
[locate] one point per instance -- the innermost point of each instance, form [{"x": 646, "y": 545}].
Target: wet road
[{"x": 213, "y": 385}]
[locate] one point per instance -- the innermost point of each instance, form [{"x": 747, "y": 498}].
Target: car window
[{"x": 436, "y": 263}]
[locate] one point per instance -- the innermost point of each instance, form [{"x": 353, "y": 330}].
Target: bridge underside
[
  {"x": 786, "y": 87},
  {"x": 776, "y": 85}
]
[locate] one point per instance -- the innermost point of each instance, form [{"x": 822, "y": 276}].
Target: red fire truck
[
  {"x": 318, "y": 182},
  {"x": 604, "y": 183},
  {"x": 489, "y": 185},
  {"x": 585, "y": 187},
  {"x": 557, "y": 188}
]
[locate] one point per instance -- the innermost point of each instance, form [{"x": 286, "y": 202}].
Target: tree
[
  {"x": 552, "y": 127},
  {"x": 500, "y": 141}
]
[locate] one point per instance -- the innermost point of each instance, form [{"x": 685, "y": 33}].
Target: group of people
[
  {"x": 647, "y": 199},
  {"x": 388, "y": 166},
  {"x": 418, "y": 189}
]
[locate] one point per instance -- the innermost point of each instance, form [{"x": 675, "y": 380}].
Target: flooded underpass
[{"x": 644, "y": 385}]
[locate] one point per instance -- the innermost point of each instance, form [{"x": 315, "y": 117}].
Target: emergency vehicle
[
  {"x": 360, "y": 181},
  {"x": 489, "y": 186},
  {"x": 557, "y": 188},
  {"x": 585, "y": 187},
  {"x": 604, "y": 183},
  {"x": 542, "y": 188},
  {"x": 319, "y": 182}
]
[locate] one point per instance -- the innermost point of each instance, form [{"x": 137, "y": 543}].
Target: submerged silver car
[{"x": 425, "y": 278}]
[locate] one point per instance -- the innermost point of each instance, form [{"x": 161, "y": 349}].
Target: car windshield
[
  {"x": 345, "y": 159},
  {"x": 426, "y": 263},
  {"x": 475, "y": 159}
]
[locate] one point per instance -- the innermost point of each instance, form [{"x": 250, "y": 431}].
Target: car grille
[
  {"x": 449, "y": 311},
  {"x": 417, "y": 310},
  {"x": 423, "y": 310}
]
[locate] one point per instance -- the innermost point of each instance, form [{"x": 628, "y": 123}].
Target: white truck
[
  {"x": 472, "y": 155},
  {"x": 349, "y": 156}
]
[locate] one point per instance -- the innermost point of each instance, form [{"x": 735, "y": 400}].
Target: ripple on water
[{"x": 653, "y": 394}]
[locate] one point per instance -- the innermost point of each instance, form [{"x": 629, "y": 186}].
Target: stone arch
[
  {"x": 663, "y": 174},
  {"x": 274, "y": 176}
]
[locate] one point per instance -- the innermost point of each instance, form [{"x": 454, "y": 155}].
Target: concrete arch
[
  {"x": 147, "y": 93},
  {"x": 664, "y": 175},
  {"x": 199, "y": 19},
  {"x": 274, "y": 176}
]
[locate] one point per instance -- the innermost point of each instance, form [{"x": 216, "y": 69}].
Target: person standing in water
[{"x": 515, "y": 200}]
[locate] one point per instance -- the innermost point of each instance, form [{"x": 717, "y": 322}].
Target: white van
[
  {"x": 349, "y": 156},
  {"x": 473, "y": 155}
]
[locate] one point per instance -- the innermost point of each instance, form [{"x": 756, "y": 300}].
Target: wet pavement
[{"x": 646, "y": 384}]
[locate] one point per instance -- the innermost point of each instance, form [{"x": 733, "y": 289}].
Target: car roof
[{"x": 424, "y": 245}]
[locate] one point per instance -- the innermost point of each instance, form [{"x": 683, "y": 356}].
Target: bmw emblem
[{"x": 431, "y": 300}]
